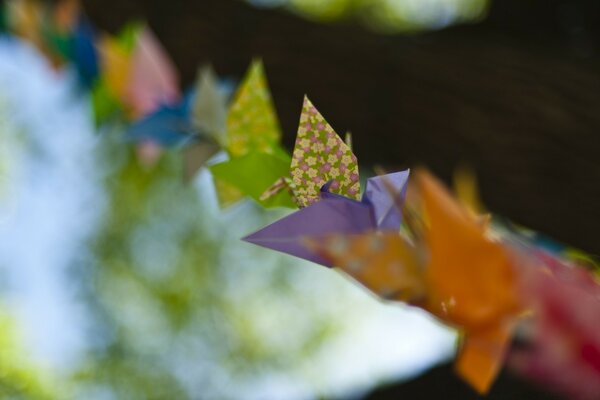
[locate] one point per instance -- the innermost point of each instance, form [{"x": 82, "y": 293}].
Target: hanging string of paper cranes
[{"x": 406, "y": 238}]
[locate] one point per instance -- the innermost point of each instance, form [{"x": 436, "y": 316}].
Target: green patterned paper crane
[
  {"x": 320, "y": 156},
  {"x": 252, "y": 124},
  {"x": 252, "y": 141}
]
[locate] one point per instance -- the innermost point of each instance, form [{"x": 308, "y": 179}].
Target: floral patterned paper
[
  {"x": 320, "y": 156},
  {"x": 252, "y": 123}
]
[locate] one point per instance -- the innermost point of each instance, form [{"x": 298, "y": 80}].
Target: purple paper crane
[{"x": 334, "y": 213}]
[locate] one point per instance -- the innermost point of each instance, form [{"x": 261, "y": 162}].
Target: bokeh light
[{"x": 389, "y": 16}]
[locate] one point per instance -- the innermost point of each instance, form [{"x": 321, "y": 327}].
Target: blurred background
[{"x": 121, "y": 282}]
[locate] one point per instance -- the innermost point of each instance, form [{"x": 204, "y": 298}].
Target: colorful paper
[
  {"x": 432, "y": 251},
  {"x": 109, "y": 96},
  {"x": 251, "y": 174},
  {"x": 65, "y": 15},
  {"x": 152, "y": 80},
  {"x": 453, "y": 270},
  {"x": 208, "y": 120},
  {"x": 115, "y": 65},
  {"x": 58, "y": 31},
  {"x": 384, "y": 262},
  {"x": 252, "y": 124},
  {"x": 470, "y": 278},
  {"x": 196, "y": 154},
  {"x": 561, "y": 345},
  {"x": 167, "y": 127},
  {"x": 209, "y": 110},
  {"x": 85, "y": 57},
  {"x": 252, "y": 142},
  {"x": 334, "y": 214},
  {"x": 24, "y": 18},
  {"x": 320, "y": 156}
]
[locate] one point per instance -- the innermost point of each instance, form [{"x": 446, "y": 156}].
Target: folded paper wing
[
  {"x": 209, "y": 109},
  {"x": 109, "y": 92},
  {"x": 384, "y": 262},
  {"x": 115, "y": 60},
  {"x": 328, "y": 216},
  {"x": 385, "y": 207},
  {"x": 85, "y": 55},
  {"x": 470, "y": 282},
  {"x": 471, "y": 277},
  {"x": 167, "y": 127},
  {"x": 208, "y": 114},
  {"x": 153, "y": 79},
  {"x": 227, "y": 194},
  {"x": 195, "y": 156},
  {"x": 252, "y": 124},
  {"x": 320, "y": 156},
  {"x": 252, "y": 135},
  {"x": 250, "y": 175},
  {"x": 481, "y": 355},
  {"x": 333, "y": 214}
]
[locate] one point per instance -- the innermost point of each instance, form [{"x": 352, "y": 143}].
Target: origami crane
[
  {"x": 252, "y": 141},
  {"x": 320, "y": 156},
  {"x": 207, "y": 118},
  {"x": 454, "y": 271},
  {"x": 192, "y": 124},
  {"x": 325, "y": 185},
  {"x": 199, "y": 125},
  {"x": 136, "y": 75},
  {"x": 335, "y": 214},
  {"x": 153, "y": 79},
  {"x": 141, "y": 79}
]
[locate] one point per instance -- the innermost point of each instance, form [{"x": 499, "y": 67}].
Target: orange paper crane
[
  {"x": 471, "y": 283},
  {"x": 453, "y": 270}
]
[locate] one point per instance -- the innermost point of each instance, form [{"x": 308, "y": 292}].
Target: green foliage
[
  {"x": 20, "y": 379},
  {"x": 167, "y": 299}
]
